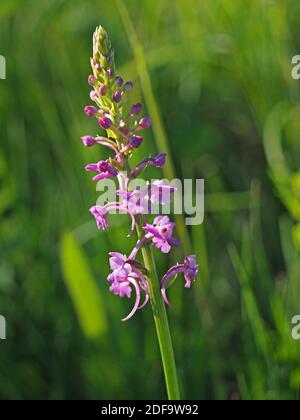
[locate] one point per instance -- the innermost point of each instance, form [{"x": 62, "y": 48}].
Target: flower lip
[
  {"x": 191, "y": 270},
  {"x": 121, "y": 289},
  {"x": 100, "y": 215},
  {"x": 161, "y": 233}
]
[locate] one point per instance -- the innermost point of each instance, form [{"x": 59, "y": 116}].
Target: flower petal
[
  {"x": 145, "y": 302},
  {"x": 164, "y": 295},
  {"x": 137, "y": 300}
]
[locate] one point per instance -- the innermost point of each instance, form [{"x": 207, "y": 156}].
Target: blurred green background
[{"x": 216, "y": 79}]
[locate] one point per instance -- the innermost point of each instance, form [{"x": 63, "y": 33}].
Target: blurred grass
[
  {"x": 82, "y": 288},
  {"x": 215, "y": 77}
]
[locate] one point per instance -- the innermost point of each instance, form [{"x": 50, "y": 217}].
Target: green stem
[
  {"x": 162, "y": 326},
  {"x": 160, "y": 318}
]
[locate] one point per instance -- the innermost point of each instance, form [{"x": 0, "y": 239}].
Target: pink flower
[
  {"x": 139, "y": 201},
  {"x": 105, "y": 169},
  {"x": 160, "y": 192},
  {"x": 122, "y": 125},
  {"x": 100, "y": 215},
  {"x": 101, "y": 212},
  {"x": 124, "y": 277},
  {"x": 189, "y": 269},
  {"x": 161, "y": 233},
  {"x": 120, "y": 274},
  {"x": 157, "y": 161}
]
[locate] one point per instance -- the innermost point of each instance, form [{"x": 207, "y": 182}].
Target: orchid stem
[{"x": 162, "y": 326}]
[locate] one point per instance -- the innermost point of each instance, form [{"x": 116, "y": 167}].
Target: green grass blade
[
  {"x": 82, "y": 287},
  {"x": 258, "y": 328}
]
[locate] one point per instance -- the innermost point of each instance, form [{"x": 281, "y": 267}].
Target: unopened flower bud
[
  {"x": 92, "y": 80},
  {"x": 128, "y": 86},
  {"x": 125, "y": 131},
  {"x": 105, "y": 123},
  {"x": 109, "y": 73},
  {"x": 90, "y": 111},
  {"x": 136, "y": 141},
  {"x": 136, "y": 109},
  {"x": 145, "y": 123},
  {"x": 103, "y": 90},
  {"x": 160, "y": 160},
  {"x": 119, "y": 81},
  {"x": 117, "y": 96},
  {"x": 93, "y": 95},
  {"x": 88, "y": 141}
]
